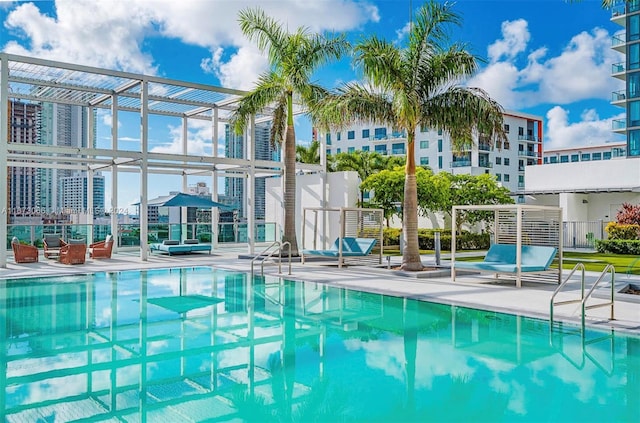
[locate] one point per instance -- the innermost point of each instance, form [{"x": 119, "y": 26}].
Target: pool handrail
[{"x": 264, "y": 257}]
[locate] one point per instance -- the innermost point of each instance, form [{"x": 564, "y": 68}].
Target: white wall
[{"x": 342, "y": 191}]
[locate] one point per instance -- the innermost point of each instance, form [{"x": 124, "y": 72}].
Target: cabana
[
  {"x": 357, "y": 234},
  {"x": 526, "y": 239}
]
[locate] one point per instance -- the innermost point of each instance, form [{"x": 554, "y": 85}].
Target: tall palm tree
[
  {"x": 293, "y": 57},
  {"x": 415, "y": 86}
]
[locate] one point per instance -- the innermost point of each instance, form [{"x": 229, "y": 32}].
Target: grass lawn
[{"x": 592, "y": 261}]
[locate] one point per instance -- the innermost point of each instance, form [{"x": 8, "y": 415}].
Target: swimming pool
[{"x": 202, "y": 344}]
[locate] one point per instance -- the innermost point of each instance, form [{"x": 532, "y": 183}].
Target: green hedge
[
  {"x": 618, "y": 246},
  {"x": 466, "y": 241}
]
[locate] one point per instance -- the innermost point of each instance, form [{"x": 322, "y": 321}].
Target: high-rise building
[
  {"x": 433, "y": 148},
  {"x": 74, "y": 191},
  {"x": 627, "y": 14},
  {"x": 263, "y": 150},
  {"x": 64, "y": 126},
  {"x": 24, "y": 128}
]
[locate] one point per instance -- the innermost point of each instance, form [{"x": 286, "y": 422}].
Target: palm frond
[
  {"x": 268, "y": 89},
  {"x": 439, "y": 71},
  {"x": 267, "y": 32},
  {"x": 381, "y": 63}
]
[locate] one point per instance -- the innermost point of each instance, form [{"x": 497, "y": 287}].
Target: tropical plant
[
  {"x": 308, "y": 154},
  {"x": 468, "y": 189},
  {"x": 406, "y": 88},
  {"x": 366, "y": 163},
  {"x": 629, "y": 214},
  {"x": 293, "y": 57}
]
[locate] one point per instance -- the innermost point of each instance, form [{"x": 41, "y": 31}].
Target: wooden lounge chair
[
  {"x": 73, "y": 253},
  {"x": 101, "y": 249},
  {"x": 24, "y": 253},
  {"x": 52, "y": 245}
]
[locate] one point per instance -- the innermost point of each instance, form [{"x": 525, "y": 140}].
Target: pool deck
[{"x": 476, "y": 290}]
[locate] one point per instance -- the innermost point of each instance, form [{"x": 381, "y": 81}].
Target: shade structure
[{"x": 186, "y": 200}]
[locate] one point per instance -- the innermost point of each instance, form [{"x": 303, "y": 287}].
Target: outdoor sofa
[{"x": 175, "y": 247}]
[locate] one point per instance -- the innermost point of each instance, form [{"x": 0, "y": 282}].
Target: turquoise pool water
[{"x": 203, "y": 344}]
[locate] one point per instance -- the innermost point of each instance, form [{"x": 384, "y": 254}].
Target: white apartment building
[
  {"x": 507, "y": 161},
  {"x": 586, "y": 153}
]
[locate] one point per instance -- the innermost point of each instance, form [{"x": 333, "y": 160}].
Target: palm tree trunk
[
  {"x": 289, "y": 194},
  {"x": 410, "y": 251}
]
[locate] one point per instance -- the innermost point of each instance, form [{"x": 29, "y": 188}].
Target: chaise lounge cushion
[
  {"x": 351, "y": 247},
  {"x": 501, "y": 258}
]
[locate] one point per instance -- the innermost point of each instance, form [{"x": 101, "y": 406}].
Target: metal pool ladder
[
  {"x": 268, "y": 253},
  {"x": 584, "y": 297}
]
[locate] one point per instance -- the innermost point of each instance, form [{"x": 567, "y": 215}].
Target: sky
[{"x": 550, "y": 58}]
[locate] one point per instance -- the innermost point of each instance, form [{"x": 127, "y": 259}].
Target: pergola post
[
  {"x": 250, "y": 185},
  {"x": 114, "y": 175},
  {"x": 215, "y": 213},
  {"x": 4, "y": 134},
  {"x": 144, "y": 148},
  {"x": 185, "y": 183}
]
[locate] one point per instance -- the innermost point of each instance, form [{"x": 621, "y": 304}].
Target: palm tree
[
  {"x": 293, "y": 57},
  {"x": 308, "y": 154},
  {"x": 415, "y": 86}
]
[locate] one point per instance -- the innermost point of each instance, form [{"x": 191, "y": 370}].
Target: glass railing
[
  {"x": 618, "y": 40},
  {"x": 527, "y": 138},
  {"x": 527, "y": 154},
  {"x": 617, "y": 67},
  {"x": 617, "y": 124},
  {"x": 129, "y": 234},
  {"x": 485, "y": 164},
  {"x": 461, "y": 163},
  {"x": 484, "y": 146},
  {"x": 618, "y": 95}
]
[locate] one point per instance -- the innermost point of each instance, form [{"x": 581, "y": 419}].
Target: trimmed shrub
[
  {"x": 622, "y": 231},
  {"x": 618, "y": 246}
]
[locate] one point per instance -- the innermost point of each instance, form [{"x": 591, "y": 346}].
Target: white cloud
[
  {"x": 515, "y": 38},
  {"x": 112, "y": 34},
  {"x": 581, "y": 71},
  {"x": 199, "y": 134},
  {"x": 591, "y": 130}
]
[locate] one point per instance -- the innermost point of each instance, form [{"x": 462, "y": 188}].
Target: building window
[
  {"x": 596, "y": 156},
  {"x": 634, "y": 114},
  {"x": 423, "y": 128},
  {"x": 520, "y": 179},
  {"x": 633, "y": 84},
  {"x": 351, "y": 135},
  {"x": 424, "y": 161},
  {"x": 440, "y": 146},
  {"x": 351, "y": 149},
  {"x": 328, "y": 138},
  {"x": 606, "y": 155},
  {"x": 397, "y": 148},
  {"x": 575, "y": 157},
  {"x": 564, "y": 158},
  {"x": 365, "y": 133},
  {"x": 338, "y": 136},
  {"x": 506, "y": 128},
  {"x": 439, "y": 131},
  {"x": 634, "y": 145},
  {"x": 634, "y": 56},
  {"x": 365, "y": 148},
  {"x": 506, "y": 177},
  {"x": 585, "y": 157},
  {"x": 507, "y": 161},
  {"x": 498, "y": 177},
  {"x": 545, "y": 160},
  {"x": 553, "y": 159},
  {"x": 633, "y": 28},
  {"x": 439, "y": 162},
  {"x": 520, "y": 131},
  {"x": 498, "y": 160},
  {"x": 424, "y": 144},
  {"x": 338, "y": 151},
  {"x": 382, "y": 149},
  {"x": 380, "y": 133}
]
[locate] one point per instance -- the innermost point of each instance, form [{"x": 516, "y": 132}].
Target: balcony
[
  {"x": 485, "y": 164},
  {"x": 460, "y": 163},
  {"x": 398, "y": 152},
  {"x": 618, "y": 70},
  {"x": 619, "y": 125},
  {"x": 399, "y": 135},
  {"x": 618, "y": 43},
  {"x": 618, "y": 14},
  {"x": 484, "y": 146},
  {"x": 527, "y": 154},
  {"x": 531, "y": 138},
  {"x": 619, "y": 98}
]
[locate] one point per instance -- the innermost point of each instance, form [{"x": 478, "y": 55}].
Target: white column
[
  {"x": 185, "y": 183},
  {"x": 215, "y": 213},
  {"x": 90, "y": 208},
  {"x": 250, "y": 185},
  {"x": 144, "y": 146},
  {"x": 114, "y": 174},
  {"x": 4, "y": 133}
]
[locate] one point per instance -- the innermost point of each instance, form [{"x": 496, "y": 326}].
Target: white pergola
[{"x": 43, "y": 81}]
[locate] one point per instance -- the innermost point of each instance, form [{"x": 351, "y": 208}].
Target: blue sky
[{"x": 551, "y": 58}]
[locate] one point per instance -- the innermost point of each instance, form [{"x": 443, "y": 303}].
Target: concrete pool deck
[{"x": 476, "y": 291}]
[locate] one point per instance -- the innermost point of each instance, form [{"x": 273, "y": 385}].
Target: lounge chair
[
  {"x": 101, "y": 249},
  {"x": 52, "y": 245},
  {"x": 351, "y": 247},
  {"x": 73, "y": 253},
  {"x": 175, "y": 247},
  {"x": 23, "y": 253}
]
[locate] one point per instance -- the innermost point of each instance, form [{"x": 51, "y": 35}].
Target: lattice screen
[{"x": 539, "y": 227}]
